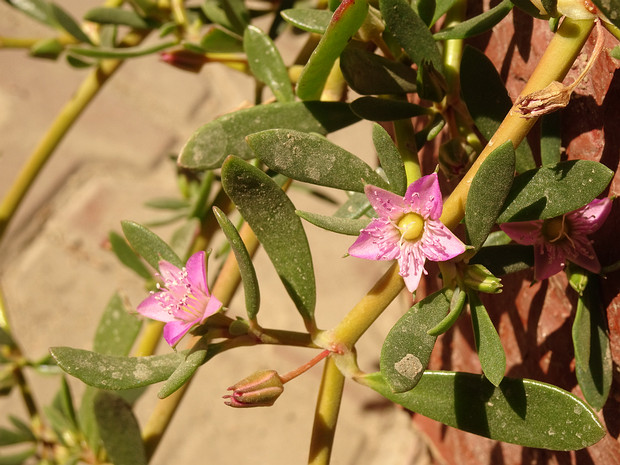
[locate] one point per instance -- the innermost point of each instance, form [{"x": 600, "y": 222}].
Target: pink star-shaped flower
[
  {"x": 562, "y": 238},
  {"x": 408, "y": 229},
  {"x": 184, "y": 301}
]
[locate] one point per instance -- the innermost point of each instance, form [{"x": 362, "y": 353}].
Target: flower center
[
  {"x": 411, "y": 227},
  {"x": 555, "y": 229}
]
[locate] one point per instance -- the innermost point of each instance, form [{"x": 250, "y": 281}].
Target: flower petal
[
  {"x": 213, "y": 306},
  {"x": 424, "y": 197},
  {"x": 548, "y": 260},
  {"x": 439, "y": 243},
  {"x": 591, "y": 217},
  {"x": 386, "y": 204},
  {"x": 524, "y": 232},
  {"x": 411, "y": 263},
  {"x": 378, "y": 241},
  {"x": 170, "y": 273},
  {"x": 151, "y": 308},
  {"x": 583, "y": 254},
  {"x": 197, "y": 272},
  {"x": 175, "y": 330}
]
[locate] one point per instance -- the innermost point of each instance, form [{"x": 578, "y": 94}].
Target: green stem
[
  {"x": 553, "y": 66},
  {"x": 61, "y": 125},
  {"x": 405, "y": 141},
  {"x": 326, "y": 414}
]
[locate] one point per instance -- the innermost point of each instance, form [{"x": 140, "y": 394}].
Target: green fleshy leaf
[
  {"x": 528, "y": 7},
  {"x": 9, "y": 437},
  {"x": 47, "y": 48},
  {"x": 380, "y": 109},
  {"x": 312, "y": 158},
  {"x": 615, "y": 52},
  {"x": 477, "y": 25},
  {"x": 149, "y": 245},
  {"x": 266, "y": 63},
  {"x": 488, "y": 344},
  {"x": 593, "y": 363},
  {"x": 215, "y": 13},
  {"x": 219, "y": 41},
  {"x": 271, "y": 215},
  {"x": 307, "y": 19},
  {"x": 551, "y": 191},
  {"x": 244, "y": 260},
  {"x": 167, "y": 203},
  {"x": 488, "y": 192},
  {"x": 407, "y": 348},
  {"x": 345, "y": 22},
  {"x": 119, "y": 430},
  {"x": 505, "y": 259},
  {"x": 39, "y": 10},
  {"x": 63, "y": 403},
  {"x": 116, "y": 372},
  {"x": 356, "y": 206},
  {"x": 425, "y": 10},
  {"x": 441, "y": 8},
  {"x": 19, "y": 458},
  {"x": 117, "y": 330},
  {"x": 184, "y": 236},
  {"x": 348, "y": 226},
  {"x": 519, "y": 411},
  {"x": 390, "y": 159},
  {"x": 118, "y": 16},
  {"x": 411, "y": 32},
  {"x": 488, "y": 101},
  {"x": 370, "y": 74},
  {"x": 78, "y": 63},
  {"x": 66, "y": 21},
  {"x": 211, "y": 143},
  {"x": 127, "y": 256},
  {"x": 550, "y": 6},
  {"x": 551, "y": 139},
  {"x": 5, "y": 338},
  {"x": 237, "y": 13},
  {"x": 121, "y": 53},
  {"x": 457, "y": 303}
]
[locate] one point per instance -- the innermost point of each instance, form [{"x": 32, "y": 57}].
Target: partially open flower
[
  {"x": 260, "y": 389},
  {"x": 183, "y": 301},
  {"x": 408, "y": 229},
  {"x": 561, "y": 239}
]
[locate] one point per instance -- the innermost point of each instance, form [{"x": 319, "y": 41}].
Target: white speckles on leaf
[{"x": 409, "y": 366}]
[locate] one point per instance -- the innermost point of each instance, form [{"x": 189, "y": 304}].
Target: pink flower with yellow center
[
  {"x": 184, "y": 299},
  {"x": 408, "y": 230},
  {"x": 563, "y": 238}
]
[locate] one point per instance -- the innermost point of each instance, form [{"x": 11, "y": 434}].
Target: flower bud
[
  {"x": 479, "y": 278},
  {"x": 577, "y": 277},
  {"x": 260, "y": 389},
  {"x": 185, "y": 60},
  {"x": 455, "y": 158}
]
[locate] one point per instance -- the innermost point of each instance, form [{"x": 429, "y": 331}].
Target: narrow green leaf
[
  {"x": 441, "y": 7},
  {"x": 477, "y": 25},
  {"x": 356, "y": 206},
  {"x": 122, "y": 53},
  {"x": 505, "y": 259},
  {"x": 78, "y": 63},
  {"x": 425, "y": 10},
  {"x": 488, "y": 192},
  {"x": 345, "y": 22},
  {"x": 214, "y": 11},
  {"x": 551, "y": 138},
  {"x": 66, "y": 21},
  {"x": 593, "y": 363},
  {"x": 266, "y": 63},
  {"x": 244, "y": 260},
  {"x": 211, "y": 143},
  {"x": 380, "y": 109},
  {"x": 127, "y": 256},
  {"x": 220, "y": 41},
  {"x": 519, "y": 411},
  {"x": 348, "y": 226},
  {"x": 117, "y": 330},
  {"x": 8, "y": 437},
  {"x": 390, "y": 159},
  {"x": 312, "y": 158},
  {"x": 370, "y": 74},
  {"x": 488, "y": 101},
  {"x": 5, "y": 338},
  {"x": 116, "y": 372},
  {"x": 167, "y": 203},
  {"x": 19, "y": 458},
  {"x": 551, "y": 191},
  {"x": 457, "y": 303},
  {"x": 271, "y": 215},
  {"x": 488, "y": 344},
  {"x": 411, "y": 32},
  {"x": 237, "y": 13},
  {"x": 36, "y": 9},
  {"x": 63, "y": 403},
  {"x": 119, "y": 430},
  {"x": 149, "y": 245},
  {"x": 118, "y": 16},
  {"x": 307, "y": 19},
  {"x": 407, "y": 348}
]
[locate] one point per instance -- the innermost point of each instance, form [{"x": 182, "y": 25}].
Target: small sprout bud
[
  {"x": 455, "y": 158},
  {"x": 577, "y": 277},
  {"x": 477, "y": 277},
  {"x": 239, "y": 327},
  {"x": 260, "y": 389}
]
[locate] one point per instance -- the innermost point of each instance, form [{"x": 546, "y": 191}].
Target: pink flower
[
  {"x": 562, "y": 238},
  {"x": 408, "y": 229},
  {"x": 184, "y": 301}
]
